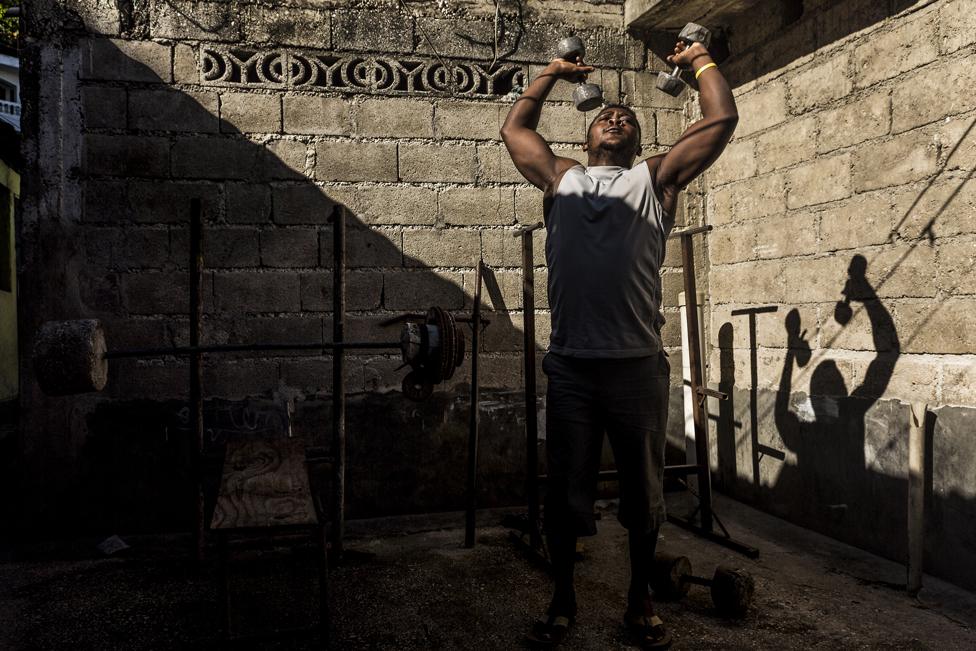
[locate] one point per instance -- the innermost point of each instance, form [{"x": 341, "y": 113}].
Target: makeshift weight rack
[{"x": 529, "y": 526}]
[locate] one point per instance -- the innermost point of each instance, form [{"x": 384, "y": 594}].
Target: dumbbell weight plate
[
  {"x": 732, "y": 591},
  {"x": 69, "y": 357},
  {"x": 668, "y": 576}
]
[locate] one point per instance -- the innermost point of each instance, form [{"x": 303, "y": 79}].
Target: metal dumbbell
[
  {"x": 586, "y": 96},
  {"x": 731, "y": 589},
  {"x": 692, "y": 33}
]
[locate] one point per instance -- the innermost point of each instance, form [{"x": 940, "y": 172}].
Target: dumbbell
[
  {"x": 586, "y": 96},
  {"x": 692, "y": 33},
  {"x": 731, "y": 589}
]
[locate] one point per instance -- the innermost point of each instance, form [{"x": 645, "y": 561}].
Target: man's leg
[
  {"x": 636, "y": 395},
  {"x": 574, "y": 437}
]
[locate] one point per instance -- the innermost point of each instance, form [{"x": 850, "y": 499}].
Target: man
[{"x": 606, "y": 229}]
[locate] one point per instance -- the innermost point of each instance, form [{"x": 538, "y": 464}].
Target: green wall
[{"x": 9, "y": 194}]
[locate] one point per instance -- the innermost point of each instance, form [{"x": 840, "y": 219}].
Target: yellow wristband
[{"x": 704, "y": 68}]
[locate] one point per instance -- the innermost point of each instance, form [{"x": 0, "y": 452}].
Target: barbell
[
  {"x": 71, "y": 357},
  {"x": 731, "y": 589}
]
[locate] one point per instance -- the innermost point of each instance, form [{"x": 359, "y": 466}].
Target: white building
[{"x": 10, "y": 88}]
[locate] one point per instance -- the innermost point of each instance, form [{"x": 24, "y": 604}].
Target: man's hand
[
  {"x": 568, "y": 70},
  {"x": 685, "y": 55}
]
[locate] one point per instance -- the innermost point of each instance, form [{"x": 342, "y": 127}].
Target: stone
[
  {"x": 476, "y": 206},
  {"x": 786, "y": 145},
  {"x": 172, "y": 110},
  {"x": 394, "y": 117},
  {"x": 905, "y": 158},
  {"x": 133, "y": 61},
  {"x": 820, "y": 83},
  {"x": 863, "y": 119},
  {"x": 910, "y": 45},
  {"x": 114, "y": 155},
  {"x": 302, "y": 204},
  {"x": 292, "y": 247},
  {"x": 437, "y": 164},
  {"x": 454, "y": 247},
  {"x": 355, "y": 161},
  {"x": 317, "y": 115},
  {"x": 253, "y": 291},
  {"x": 823, "y": 180},
  {"x": 761, "y": 109},
  {"x": 250, "y": 113},
  {"x": 465, "y": 120}
]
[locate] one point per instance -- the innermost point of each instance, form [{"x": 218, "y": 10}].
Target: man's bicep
[
  {"x": 532, "y": 156},
  {"x": 695, "y": 151}
]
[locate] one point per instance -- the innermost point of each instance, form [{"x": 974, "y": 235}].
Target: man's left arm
[{"x": 702, "y": 143}]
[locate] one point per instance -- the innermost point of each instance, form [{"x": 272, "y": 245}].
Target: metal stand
[{"x": 471, "y": 501}]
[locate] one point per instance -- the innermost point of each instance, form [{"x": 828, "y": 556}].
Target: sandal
[
  {"x": 551, "y": 631},
  {"x": 649, "y": 631}
]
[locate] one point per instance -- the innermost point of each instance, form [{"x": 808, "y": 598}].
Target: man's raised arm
[
  {"x": 530, "y": 153},
  {"x": 702, "y": 143}
]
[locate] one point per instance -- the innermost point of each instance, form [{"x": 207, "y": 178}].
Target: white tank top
[{"x": 605, "y": 238}]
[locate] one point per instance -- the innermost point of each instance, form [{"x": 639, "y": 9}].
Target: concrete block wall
[
  {"x": 842, "y": 267},
  {"x": 278, "y": 119}
]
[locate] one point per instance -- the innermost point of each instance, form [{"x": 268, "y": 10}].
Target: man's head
[{"x": 614, "y": 135}]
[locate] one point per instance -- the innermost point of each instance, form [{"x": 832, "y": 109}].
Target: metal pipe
[
  {"x": 694, "y": 230},
  {"x": 694, "y": 357},
  {"x": 181, "y": 351},
  {"x": 472, "y": 488},
  {"x": 916, "y": 496},
  {"x": 196, "y": 371},
  {"x": 531, "y": 422},
  {"x": 338, "y": 380}
]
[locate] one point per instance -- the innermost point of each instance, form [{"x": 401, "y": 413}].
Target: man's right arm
[{"x": 530, "y": 152}]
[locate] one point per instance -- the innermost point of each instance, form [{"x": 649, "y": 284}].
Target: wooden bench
[{"x": 265, "y": 497}]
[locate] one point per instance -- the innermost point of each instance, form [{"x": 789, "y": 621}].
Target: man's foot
[
  {"x": 550, "y": 631},
  {"x": 648, "y": 629}
]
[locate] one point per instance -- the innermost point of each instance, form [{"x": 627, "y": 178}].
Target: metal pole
[
  {"x": 531, "y": 423},
  {"x": 694, "y": 357},
  {"x": 472, "y": 497},
  {"x": 916, "y": 496},
  {"x": 196, "y": 371},
  {"x": 338, "y": 381}
]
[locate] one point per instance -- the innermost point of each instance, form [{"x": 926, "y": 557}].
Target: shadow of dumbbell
[{"x": 732, "y": 590}]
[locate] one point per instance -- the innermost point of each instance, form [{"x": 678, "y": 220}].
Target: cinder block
[
  {"x": 284, "y": 159},
  {"x": 501, "y": 247},
  {"x": 500, "y": 371},
  {"x": 394, "y": 117},
  {"x": 640, "y": 89},
  {"x": 562, "y": 123},
  {"x": 372, "y": 30},
  {"x": 137, "y": 61},
  {"x": 355, "y": 161},
  {"x": 293, "y": 247},
  {"x": 605, "y": 48},
  {"x": 126, "y": 155},
  {"x": 822, "y": 82},
  {"x": 173, "y": 110},
  {"x": 912, "y": 102},
  {"x": 957, "y": 25},
  {"x": 501, "y": 290},
  {"x": 383, "y": 204},
  {"x": 226, "y": 248},
  {"x": 302, "y": 204},
  {"x": 823, "y": 180},
  {"x": 279, "y": 329},
  {"x": 737, "y": 162},
  {"x": 905, "y": 271},
  {"x": 437, "y": 164},
  {"x": 186, "y": 64},
  {"x": 476, "y": 206},
  {"x": 317, "y": 115},
  {"x": 167, "y": 202},
  {"x": 757, "y": 283},
  {"x": 279, "y": 26},
  {"x": 250, "y": 113},
  {"x": 864, "y": 220},
  {"x": 794, "y": 142},
  {"x": 468, "y": 120},
  {"x": 155, "y": 293},
  {"x": 761, "y": 109},
  {"x": 366, "y": 247},
  {"x": 495, "y": 165},
  {"x": 785, "y": 236},
  {"x": 943, "y": 328},
  {"x": 216, "y": 158},
  {"x": 248, "y": 203},
  {"x": 908, "y": 157},
  {"x": 105, "y": 201},
  {"x": 831, "y": 275},
  {"x": 204, "y": 21},
  {"x": 853, "y": 123},
  {"x": 959, "y": 381},
  {"x": 241, "y": 378},
  {"x": 670, "y": 126},
  {"x": 413, "y": 290},
  {"x": 506, "y": 333},
  {"x": 364, "y": 290},
  {"x": 252, "y": 291},
  {"x": 911, "y": 44},
  {"x": 471, "y": 37},
  {"x": 750, "y": 199},
  {"x": 455, "y": 247},
  {"x": 528, "y": 206},
  {"x": 733, "y": 243},
  {"x": 940, "y": 209},
  {"x": 104, "y": 107},
  {"x": 309, "y": 375}
]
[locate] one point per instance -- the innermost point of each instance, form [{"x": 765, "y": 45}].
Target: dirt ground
[{"x": 409, "y": 584}]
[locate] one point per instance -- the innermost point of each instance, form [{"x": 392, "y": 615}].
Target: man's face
[{"x": 616, "y": 129}]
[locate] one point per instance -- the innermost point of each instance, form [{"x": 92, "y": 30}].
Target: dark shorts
[{"x": 628, "y": 400}]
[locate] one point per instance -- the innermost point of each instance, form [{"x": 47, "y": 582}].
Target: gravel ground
[{"x": 409, "y": 584}]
